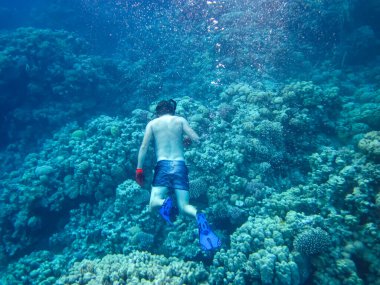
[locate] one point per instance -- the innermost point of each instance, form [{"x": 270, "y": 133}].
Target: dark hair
[{"x": 166, "y": 107}]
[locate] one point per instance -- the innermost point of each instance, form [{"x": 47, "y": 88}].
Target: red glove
[{"x": 139, "y": 176}]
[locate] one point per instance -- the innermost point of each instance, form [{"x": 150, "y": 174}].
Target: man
[{"x": 171, "y": 172}]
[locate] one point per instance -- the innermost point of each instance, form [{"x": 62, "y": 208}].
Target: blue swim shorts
[{"x": 172, "y": 174}]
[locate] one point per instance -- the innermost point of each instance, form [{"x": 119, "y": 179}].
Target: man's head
[{"x": 166, "y": 107}]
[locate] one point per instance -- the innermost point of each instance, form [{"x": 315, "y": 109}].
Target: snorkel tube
[{"x": 173, "y": 104}]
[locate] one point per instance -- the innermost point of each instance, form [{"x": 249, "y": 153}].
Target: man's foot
[
  {"x": 207, "y": 239},
  {"x": 168, "y": 210}
]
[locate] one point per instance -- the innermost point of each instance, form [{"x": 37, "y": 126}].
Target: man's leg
[
  {"x": 183, "y": 203},
  {"x": 157, "y": 197}
]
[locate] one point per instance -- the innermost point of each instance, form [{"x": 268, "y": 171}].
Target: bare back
[{"x": 168, "y": 134}]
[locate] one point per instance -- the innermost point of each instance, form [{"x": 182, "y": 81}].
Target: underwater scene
[{"x": 273, "y": 105}]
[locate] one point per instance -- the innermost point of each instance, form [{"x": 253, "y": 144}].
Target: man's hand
[
  {"x": 187, "y": 141},
  {"x": 139, "y": 177}
]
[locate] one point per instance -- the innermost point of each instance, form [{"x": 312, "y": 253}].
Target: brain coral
[{"x": 312, "y": 241}]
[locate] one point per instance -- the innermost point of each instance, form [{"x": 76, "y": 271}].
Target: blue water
[{"x": 285, "y": 96}]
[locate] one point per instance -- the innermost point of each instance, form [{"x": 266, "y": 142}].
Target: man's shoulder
[{"x": 152, "y": 121}]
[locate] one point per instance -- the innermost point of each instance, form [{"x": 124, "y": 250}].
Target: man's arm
[
  {"x": 144, "y": 145},
  {"x": 189, "y": 131}
]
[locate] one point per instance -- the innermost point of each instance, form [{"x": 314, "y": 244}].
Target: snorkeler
[{"x": 171, "y": 172}]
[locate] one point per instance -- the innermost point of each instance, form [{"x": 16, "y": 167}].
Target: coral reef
[
  {"x": 287, "y": 170},
  {"x": 370, "y": 145},
  {"x": 40, "y": 267},
  {"x": 259, "y": 254},
  {"x": 76, "y": 165},
  {"x": 135, "y": 268},
  {"x": 260, "y": 220},
  {"x": 48, "y": 79}
]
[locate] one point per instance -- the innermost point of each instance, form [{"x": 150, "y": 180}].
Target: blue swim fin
[
  {"x": 168, "y": 210},
  {"x": 207, "y": 239}
]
